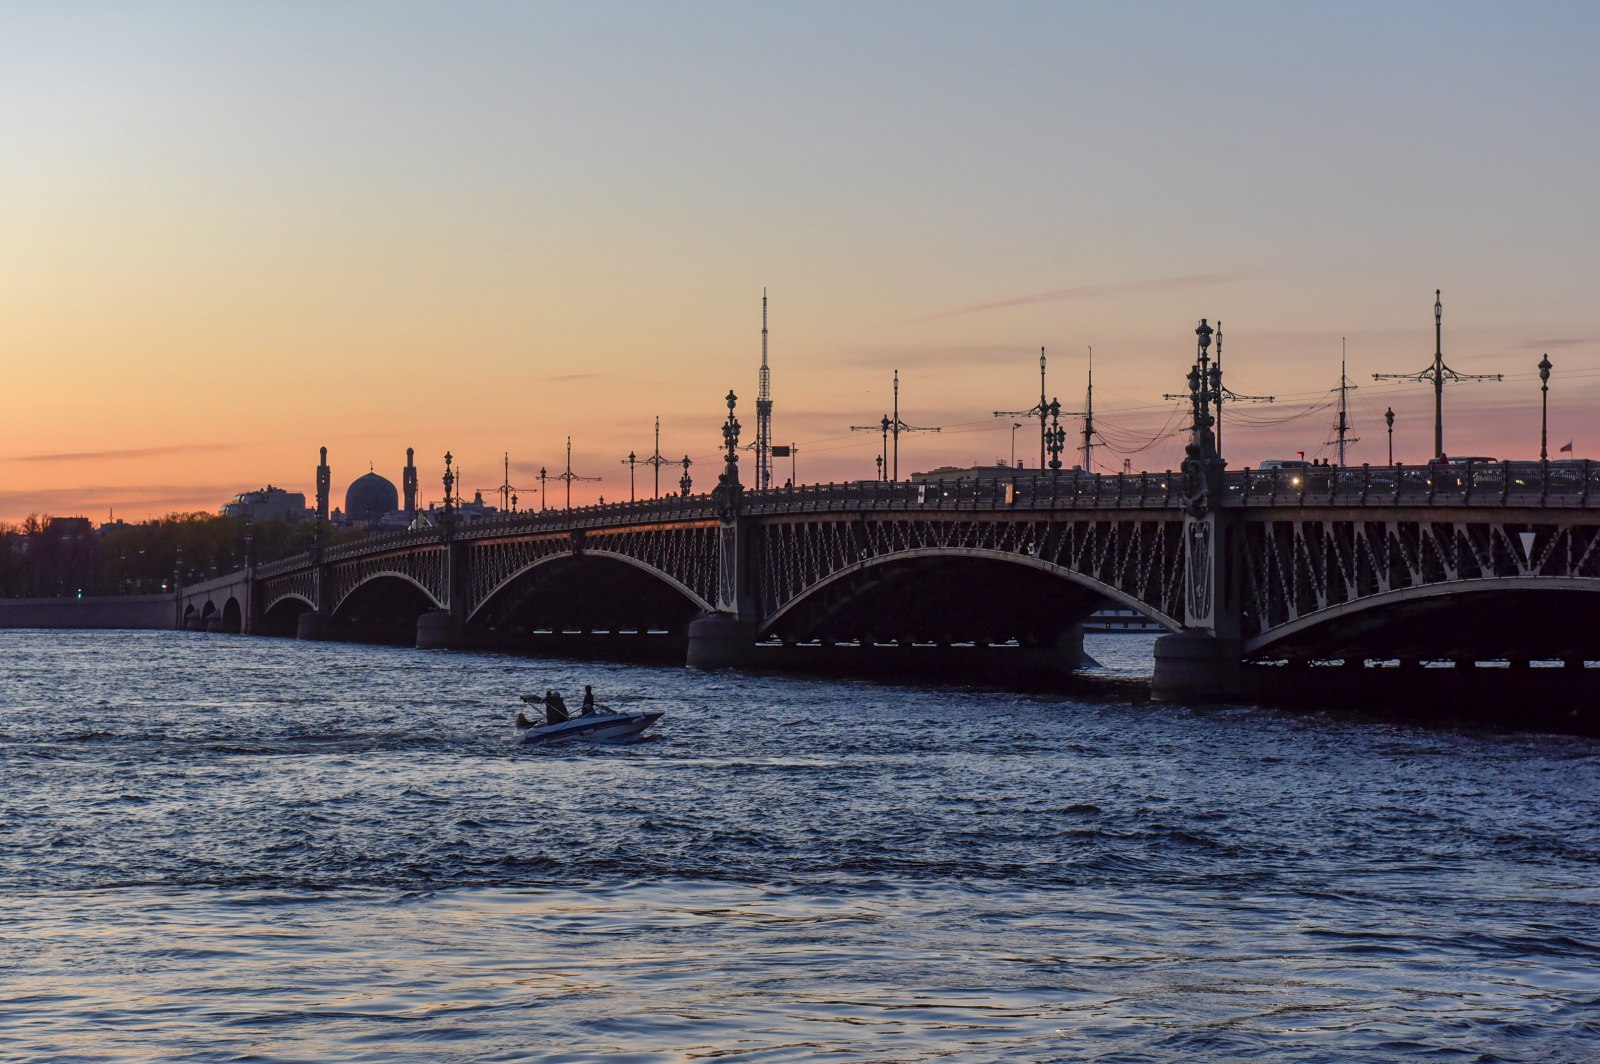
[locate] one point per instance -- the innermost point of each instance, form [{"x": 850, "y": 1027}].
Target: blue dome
[{"x": 370, "y": 498}]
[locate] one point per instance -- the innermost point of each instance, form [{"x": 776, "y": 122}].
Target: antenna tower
[{"x": 764, "y": 410}]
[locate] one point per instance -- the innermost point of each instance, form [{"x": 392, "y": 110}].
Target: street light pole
[
  {"x": 1544, "y": 410},
  {"x": 1015, "y": 425},
  {"x": 1388, "y": 417}
]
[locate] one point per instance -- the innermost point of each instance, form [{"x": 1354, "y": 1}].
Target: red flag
[{"x": 1566, "y": 446}]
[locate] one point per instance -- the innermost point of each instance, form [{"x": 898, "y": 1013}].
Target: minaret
[
  {"x": 324, "y": 486},
  {"x": 408, "y": 482},
  {"x": 764, "y": 410}
]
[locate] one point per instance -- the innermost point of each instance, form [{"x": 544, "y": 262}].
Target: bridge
[
  {"x": 1258, "y": 575},
  {"x": 1406, "y": 564}
]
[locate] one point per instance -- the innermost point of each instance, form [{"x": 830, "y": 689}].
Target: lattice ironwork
[
  {"x": 687, "y": 553},
  {"x": 1296, "y": 566},
  {"x": 300, "y": 584},
  {"x": 1141, "y": 558},
  {"x": 423, "y": 565}
]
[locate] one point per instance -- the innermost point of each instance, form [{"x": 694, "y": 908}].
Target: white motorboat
[{"x": 604, "y": 726}]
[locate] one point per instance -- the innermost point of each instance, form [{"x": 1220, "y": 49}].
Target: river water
[{"x": 220, "y": 848}]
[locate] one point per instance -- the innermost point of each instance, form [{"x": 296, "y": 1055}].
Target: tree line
[{"x": 45, "y": 557}]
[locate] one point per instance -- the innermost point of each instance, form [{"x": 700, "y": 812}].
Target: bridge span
[{"x": 1257, "y": 575}]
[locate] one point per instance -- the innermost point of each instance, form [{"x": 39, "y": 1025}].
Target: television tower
[{"x": 764, "y": 410}]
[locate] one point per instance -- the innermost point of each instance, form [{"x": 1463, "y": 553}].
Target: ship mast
[
  {"x": 1341, "y": 427},
  {"x": 1088, "y": 417}
]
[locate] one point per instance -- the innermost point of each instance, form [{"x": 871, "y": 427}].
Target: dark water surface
[{"x": 219, "y": 848}]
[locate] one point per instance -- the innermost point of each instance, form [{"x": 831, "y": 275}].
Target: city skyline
[{"x": 239, "y": 235}]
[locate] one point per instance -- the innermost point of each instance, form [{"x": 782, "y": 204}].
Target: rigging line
[
  {"x": 1264, "y": 422},
  {"x": 1164, "y": 434}
]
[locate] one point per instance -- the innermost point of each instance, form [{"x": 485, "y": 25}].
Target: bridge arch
[
  {"x": 993, "y": 561},
  {"x": 566, "y": 557},
  {"x": 373, "y": 577},
  {"x": 282, "y": 614},
  {"x": 1484, "y": 617}
]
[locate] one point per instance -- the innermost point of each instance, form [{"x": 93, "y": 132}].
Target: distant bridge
[{"x": 1432, "y": 563}]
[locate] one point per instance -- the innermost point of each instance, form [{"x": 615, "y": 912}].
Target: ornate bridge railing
[{"x": 1555, "y": 484}]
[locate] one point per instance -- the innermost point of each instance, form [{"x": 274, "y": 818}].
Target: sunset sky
[{"x": 233, "y": 233}]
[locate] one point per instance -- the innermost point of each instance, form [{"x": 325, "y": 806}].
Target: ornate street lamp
[
  {"x": 449, "y": 487},
  {"x": 630, "y": 461},
  {"x": 1055, "y": 435},
  {"x": 1544, "y": 409},
  {"x": 685, "y": 482},
  {"x": 1388, "y": 417}
]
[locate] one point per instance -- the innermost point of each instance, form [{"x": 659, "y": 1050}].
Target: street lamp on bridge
[
  {"x": 1388, "y": 418},
  {"x": 1544, "y": 409},
  {"x": 1437, "y": 374},
  {"x": 1015, "y": 425}
]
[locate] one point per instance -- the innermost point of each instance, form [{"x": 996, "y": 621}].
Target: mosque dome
[{"x": 370, "y": 498}]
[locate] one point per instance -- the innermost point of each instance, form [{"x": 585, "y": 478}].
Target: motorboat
[{"x": 605, "y": 725}]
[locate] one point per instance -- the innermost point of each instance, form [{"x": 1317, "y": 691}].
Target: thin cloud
[
  {"x": 126, "y": 498},
  {"x": 118, "y": 455},
  {"x": 1092, "y": 291},
  {"x": 567, "y": 378},
  {"x": 926, "y": 356},
  {"x": 1546, "y": 345}
]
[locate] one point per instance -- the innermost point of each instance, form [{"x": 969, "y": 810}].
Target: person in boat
[
  {"x": 588, "y": 699},
  {"x": 555, "y": 708}
]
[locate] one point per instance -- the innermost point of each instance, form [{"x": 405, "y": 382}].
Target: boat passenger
[
  {"x": 588, "y": 699},
  {"x": 555, "y": 708}
]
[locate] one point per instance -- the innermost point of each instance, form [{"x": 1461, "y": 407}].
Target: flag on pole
[{"x": 1566, "y": 446}]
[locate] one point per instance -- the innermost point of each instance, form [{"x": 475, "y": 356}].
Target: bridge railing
[
  {"x": 1563, "y": 484},
  {"x": 1568, "y": 484},
  {"x": 1068, "y": 490}
]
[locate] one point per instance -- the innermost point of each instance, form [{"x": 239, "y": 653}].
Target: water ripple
[{"x": 282, "y": 851}]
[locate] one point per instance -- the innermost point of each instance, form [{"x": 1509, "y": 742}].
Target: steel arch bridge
[{"x": 1364, "y": 563}]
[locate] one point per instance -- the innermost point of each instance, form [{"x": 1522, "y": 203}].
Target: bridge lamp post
[
  {"x": 883, "y": 463},
  {"x": 685, "y": 482},
  {"x": 1388, "y": 417},
  {"x": 629, "y": 462},
  {"x": 541, "y": 488},
  {"x": 1015, "y": 425},
  {"x": 1544, "y": 410}
]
